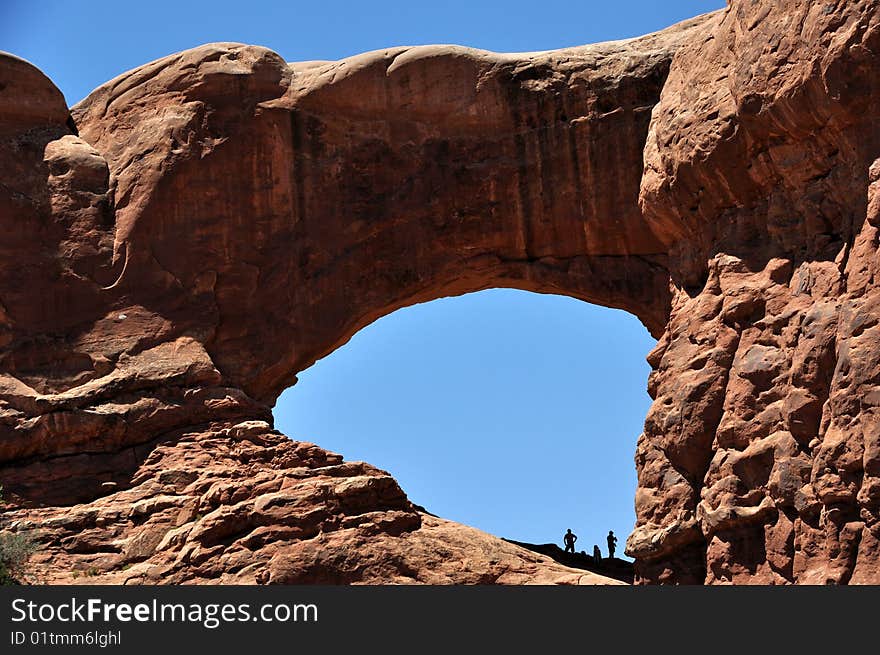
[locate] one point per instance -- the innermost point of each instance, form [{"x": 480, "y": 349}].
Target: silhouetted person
[
  {"x": 612, "y": 544},
  {"x": 597, "y": 554},
  {"x": 569, "y": 539}
]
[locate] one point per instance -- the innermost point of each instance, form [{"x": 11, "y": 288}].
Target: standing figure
[
  {"x": 612, "y": 544},
  {"x": 569, "y": 539},
  {"x": 597, "y": 554}
]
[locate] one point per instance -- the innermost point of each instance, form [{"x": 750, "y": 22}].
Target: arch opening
[{"x": 511, "y": 411}]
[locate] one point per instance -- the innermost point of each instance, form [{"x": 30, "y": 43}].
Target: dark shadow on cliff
[{"x": 613, "y": 567}]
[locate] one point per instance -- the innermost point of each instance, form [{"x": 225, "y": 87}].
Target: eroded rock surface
[
  {"x": 758, "y": 462},
  {"x": 194, "y": 233},
  {"x": 239, "y": 503}
]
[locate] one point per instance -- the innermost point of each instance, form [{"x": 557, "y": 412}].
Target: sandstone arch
[
  {"x": 390, "y": 178},
  {"x": 715, "y": 179}
]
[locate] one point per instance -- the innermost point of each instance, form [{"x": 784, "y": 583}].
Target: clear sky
[{"x": 517, "y": 413}]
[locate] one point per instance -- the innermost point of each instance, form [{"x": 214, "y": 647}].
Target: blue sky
[
  {"x": 83, "y": 43},
  {"x": 517, "y": 413},
  {"x": 511, "y": 411}
]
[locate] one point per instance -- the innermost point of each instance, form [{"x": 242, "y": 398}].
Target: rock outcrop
[
  {"x": 242, "y": 504},
  {"x": 759, "y": 458},
  {"x": 184, "y": 241}
]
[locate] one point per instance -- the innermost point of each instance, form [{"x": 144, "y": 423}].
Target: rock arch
[{"x": 209, "y": 224}]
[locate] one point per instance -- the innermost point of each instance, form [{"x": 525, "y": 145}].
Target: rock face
[
  {"x": 242, "y": 504},
  {"x": 185, "y": 240},
  {"x": 759, "y": 460}
]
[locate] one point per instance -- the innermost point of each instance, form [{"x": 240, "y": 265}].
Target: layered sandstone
[
  {"x": 198, "y": 230},
  {"x": 242, "y": 504}
]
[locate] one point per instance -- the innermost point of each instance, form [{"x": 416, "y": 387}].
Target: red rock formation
[
  {"x": 208, "y": 225},
  {"x": 759, "y": 459}
]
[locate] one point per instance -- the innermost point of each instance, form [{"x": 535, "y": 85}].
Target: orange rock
[{"x": 204, "y": 227}]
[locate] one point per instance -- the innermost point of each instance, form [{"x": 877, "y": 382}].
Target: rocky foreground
[
  {"x": 198, "y": 230},
  {"x": 243, "y": 504}
]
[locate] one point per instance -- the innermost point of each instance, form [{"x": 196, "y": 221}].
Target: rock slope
[{"x": 198, "y": 230}]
